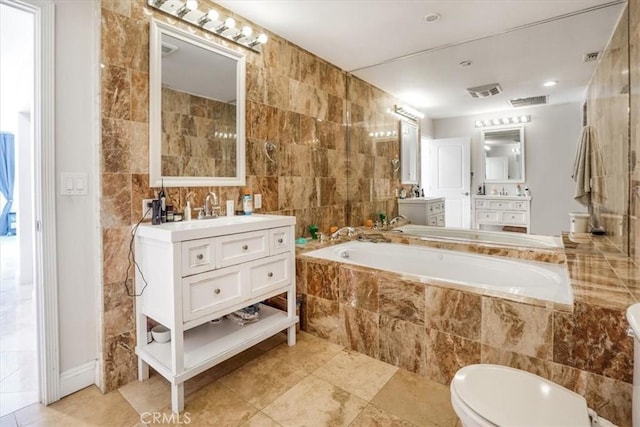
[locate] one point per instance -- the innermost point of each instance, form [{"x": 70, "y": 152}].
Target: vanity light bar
[
  {"x": 408, "y": 112},
  {"x": 503, "y": 121},
  {"x": 383, "y": 134},
  {"x": 211, "y": 21}
]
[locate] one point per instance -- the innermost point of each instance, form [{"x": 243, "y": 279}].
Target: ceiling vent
[
  {"x": 528, "y": 102},
  {"x": 168, "y": 49},
  {"x": 484, "y": 91},
  {"x": 590, "y": 57}
]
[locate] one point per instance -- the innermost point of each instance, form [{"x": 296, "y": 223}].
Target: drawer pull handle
[
  {"x": 270, "y": 275},
  {"x": 280, "y": 240},
  {"x": 217, "y": 291},
  {"x": 200, "y": 256},
  {"x": 245, "y": 247}
]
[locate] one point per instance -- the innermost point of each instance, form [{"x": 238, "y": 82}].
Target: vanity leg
[
  {"x": 143, "y": 370},
  {"x": 291, "y": 335},
  {"x": 177, "y": 398}
]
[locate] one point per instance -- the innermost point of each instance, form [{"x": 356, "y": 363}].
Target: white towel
[{"x": 587, "y": 166}]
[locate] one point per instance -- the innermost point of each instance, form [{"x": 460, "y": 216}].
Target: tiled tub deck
[{"x": 433, "y": 329}]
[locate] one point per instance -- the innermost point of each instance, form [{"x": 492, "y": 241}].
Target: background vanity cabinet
[
  {"x": 502, "y": 211},
  {"x": 423, "y": 210},
  {"x": 193, "y": 273}
]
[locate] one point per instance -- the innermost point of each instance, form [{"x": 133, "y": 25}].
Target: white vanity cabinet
[
  {"x": 423, "y": 210},
  {"x": 193, "y": 273},
  {"x": 502, "y": 211}
]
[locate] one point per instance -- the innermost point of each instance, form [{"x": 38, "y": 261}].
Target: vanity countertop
[
  {"x": 502, "y": 197},
  {"x": 418, "y": 199},
  {"x": 203, "y": 228}
]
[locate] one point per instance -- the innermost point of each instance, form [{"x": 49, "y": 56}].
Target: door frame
[{"x": 44, "y": 191}]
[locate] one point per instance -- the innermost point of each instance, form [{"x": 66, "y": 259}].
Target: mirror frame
[
  {"x": 484, "y": 156},
  {"x": 156, "y": 179},
  {"x": 407, "y": 163}
]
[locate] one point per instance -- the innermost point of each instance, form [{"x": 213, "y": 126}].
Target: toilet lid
[{"x": 511, "y": 397}]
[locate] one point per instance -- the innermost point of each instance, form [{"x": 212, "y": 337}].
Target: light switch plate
[
  {"x": 73, "y": 184},
  {"x": 257, "y": 201}
]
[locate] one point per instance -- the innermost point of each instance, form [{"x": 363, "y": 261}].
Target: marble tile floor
[
  {"x": 315, "y": 383},
  {"x": 18, "y": 359}
]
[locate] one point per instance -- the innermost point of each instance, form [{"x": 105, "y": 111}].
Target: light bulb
[
  {"x": 524, "y": 119},
  {"x": 192, "y": 4},
  {"x": 262, "y": 38},
  {"x": 213, "y": 15},
  {"x": 230, "y": 23},
  {"x": 246, "y": 31}
]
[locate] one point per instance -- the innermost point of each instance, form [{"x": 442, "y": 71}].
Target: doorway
[{"x": 19, "y": 376}]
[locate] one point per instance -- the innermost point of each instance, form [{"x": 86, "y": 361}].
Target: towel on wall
[{"x": 586, "y": 168}]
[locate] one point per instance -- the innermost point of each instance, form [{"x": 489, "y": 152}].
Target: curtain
[{"x": 7, "y": 177}]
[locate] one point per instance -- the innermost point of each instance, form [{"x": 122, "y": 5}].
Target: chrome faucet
[
  {"x": 341, "y": 231},
  {"x": 210, "y": 209},
  {"x": 396, "y": 219}
]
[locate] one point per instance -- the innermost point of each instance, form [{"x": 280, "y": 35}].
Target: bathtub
[
  {"x": 501, "y": 276},
  {"x": 482, "y": 236}
]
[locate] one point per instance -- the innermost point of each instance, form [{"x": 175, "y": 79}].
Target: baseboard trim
[{"x": 77, "y": 378}]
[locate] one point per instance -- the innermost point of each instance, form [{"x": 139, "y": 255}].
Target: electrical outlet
[
  {"x": 146, "y": 208},
  {"x": 257, "y": 201}
]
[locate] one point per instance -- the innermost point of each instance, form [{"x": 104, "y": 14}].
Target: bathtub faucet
[{"x": 342, "y": 231}]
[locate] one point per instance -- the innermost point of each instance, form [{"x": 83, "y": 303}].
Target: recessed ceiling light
[
  {"x": 430, "y": 18},
  {"x": 550, "y": 83},
  {"x": 465, "y": 63}
]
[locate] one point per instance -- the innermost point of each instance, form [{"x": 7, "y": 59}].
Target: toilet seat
[{"x": 504, "y": 396}]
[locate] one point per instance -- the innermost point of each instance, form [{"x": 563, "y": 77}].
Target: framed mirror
[
  {"x": 409, "y": 152},
  {"x": 503, "y": 155},
  {"x": 197, "y": 111}
]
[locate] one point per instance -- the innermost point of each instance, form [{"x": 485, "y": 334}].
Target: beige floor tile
[
  {"x": 151, "y": 395},
  {"x": 309, "y": 352},
  {"x": 357, "y": 373},
  {"x": 87, "y": 407},
  {"x": 374, "y": 417},
  {"x": 263, "y": 380},
  {"x": 416, "y": 399},
  {"x": 217, "y": 405},
  {"x": 315, "y": 402},
  {"x": 261, "y": 420}
]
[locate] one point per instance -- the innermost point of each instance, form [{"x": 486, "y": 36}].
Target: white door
[{"x": 448, "y": 172}]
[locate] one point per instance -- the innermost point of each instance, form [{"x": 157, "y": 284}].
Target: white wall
[
  {"x": 76, "y": 139},
  {"x": 24, "y": 196},
  {"x": 551, "y": 139}
]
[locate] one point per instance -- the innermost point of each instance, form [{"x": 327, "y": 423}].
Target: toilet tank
[{"x": 633, "y": 317}]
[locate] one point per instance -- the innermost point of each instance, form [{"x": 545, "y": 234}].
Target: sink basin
[{"x": 202, "y": 228}]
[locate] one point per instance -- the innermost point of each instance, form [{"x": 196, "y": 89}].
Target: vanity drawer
[
  {"x": 198, "y": 256},
  {"x": 514, "y": 217},
  {"x": 521, "y": 206},
  {"x": 237, "y": 248},
  {"x": 488, "y": 217},
  {"x": 280, "y": 240},
  {"x": 432, "y": 220},
  {"x": 481, "y": 204},
  {"x": 499, "y": 205},
  {"x": 210, "y": 292},
  {"x": 440, "y": 220},
  {"x": 269, "y": 274}
]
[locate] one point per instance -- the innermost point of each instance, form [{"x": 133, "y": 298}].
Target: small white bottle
[
  {"x": 247, "y": 202},
  {"x": 187, "y": 212},
  {"x": 230, "y": 208}
]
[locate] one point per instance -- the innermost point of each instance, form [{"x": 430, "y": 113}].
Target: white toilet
[{"x": 493, "y": 395}]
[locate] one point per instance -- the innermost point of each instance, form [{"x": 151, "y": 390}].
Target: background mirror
[
  {"x": 504, "y": 155},
  {"x": 409, "y": 158},
  {"x": 197, "y": 111}
]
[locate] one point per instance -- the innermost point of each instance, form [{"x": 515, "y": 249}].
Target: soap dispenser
[{"x": 187, "y": 211}]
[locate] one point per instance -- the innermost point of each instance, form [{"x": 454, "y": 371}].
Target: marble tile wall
[
  {"x": 608, "y": 103},
  {"x": 634, "y": 158},
  {"x": 294, "y": 99},
  {"x": 433, "y": 329},
  {"x": 198, "y": 136}
]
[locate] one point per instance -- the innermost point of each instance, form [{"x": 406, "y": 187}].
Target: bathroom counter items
[
  {"x": 193, "y": 274},
  {"x": 514, "y": 211},
  {"x": 423, "y": 210}
]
